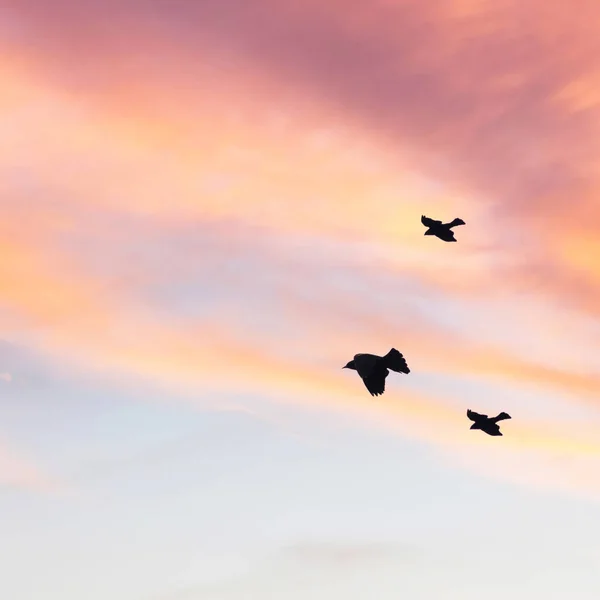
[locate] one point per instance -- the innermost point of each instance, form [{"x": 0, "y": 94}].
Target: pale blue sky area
[{"x": 165, "y": 500}]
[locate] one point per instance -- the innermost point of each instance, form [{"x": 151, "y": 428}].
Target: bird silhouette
[
  {"x": 441, "y": 230},
  {"x": 487, "y": 424},
  {"x": 374, "y": 369}
]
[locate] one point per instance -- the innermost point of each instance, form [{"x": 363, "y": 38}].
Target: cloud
[
  {"x": 477, "y": 103},
  {"x": 253, "y": 237},
  {"x": 6, "y": 377},
  {"x": 17, "y": 473},
  {"x": 346, "y": 554},
  {"x": 100, "y": 326},
  {"x": 310, "y": 564}
]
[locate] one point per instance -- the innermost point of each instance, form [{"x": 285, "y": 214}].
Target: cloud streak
[{"x": 255, "y": 237}]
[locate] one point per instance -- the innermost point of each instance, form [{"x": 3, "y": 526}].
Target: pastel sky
[{"x": 208, "y": 207}]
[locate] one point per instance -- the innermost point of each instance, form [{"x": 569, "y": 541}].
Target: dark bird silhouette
[
  {"x": 487, "y": 424},
  {"x": 374, "y": 369},
  {"x": 441, "y": 230}
]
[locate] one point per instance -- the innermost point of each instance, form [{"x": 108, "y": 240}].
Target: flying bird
[
  {"x": 441, "y": 230},
  {"x": 374, "y": 369},
  {"x": 487, "y": 424}
]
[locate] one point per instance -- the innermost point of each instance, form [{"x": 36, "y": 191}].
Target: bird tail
[
  {"x": 395, "y": 361},
  {"x": 501, "y": 417},
  {"x": 456, "y": 222}
]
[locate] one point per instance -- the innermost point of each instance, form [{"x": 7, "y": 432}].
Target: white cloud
[{"x": 6, "y": 377}]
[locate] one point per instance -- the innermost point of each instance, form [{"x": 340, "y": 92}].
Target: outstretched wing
[
  {"x": 375, "y": 381},
  {"x": 501, "y": 417},
  {"x": 429, "y": 222},
  {"x": 475, "y": 416},
  {"x": 492, "y": 429},
  {"x": 446, "y": 235}
]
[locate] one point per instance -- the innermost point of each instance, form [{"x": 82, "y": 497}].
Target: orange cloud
[
  {"x": 105, "y": 332},
  {"x": 105, "y": 326},
  {"x": 81, "y": 313}
]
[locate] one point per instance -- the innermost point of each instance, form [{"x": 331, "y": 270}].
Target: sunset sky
[{"x": 208, "y": 207}]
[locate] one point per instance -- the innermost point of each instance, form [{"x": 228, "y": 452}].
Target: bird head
[{"x": 350, "y": 365}]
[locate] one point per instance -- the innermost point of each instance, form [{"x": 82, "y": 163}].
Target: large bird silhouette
[
  {"x": 487, "y": 424},
  {"x": 441, "y": 230},
  {"x": 374, "y": 369}
]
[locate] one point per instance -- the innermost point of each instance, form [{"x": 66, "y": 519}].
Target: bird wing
[
  {"x": 447, "y": 235},
  {"x": 475, "y": 416},
  {"x": 429, "y": 222},
  {"x": 375, "y": 382},
  {"x": 491, "y": 429},
  {"x": 501, "y": 417}
]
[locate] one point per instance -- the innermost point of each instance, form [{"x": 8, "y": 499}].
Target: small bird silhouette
[
  {"x": 441, "y": 230},
  {"x": 374, "y": 369},
  {"x": 487, "y": 424}
]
